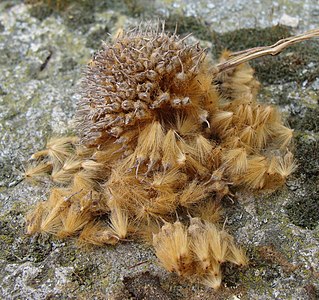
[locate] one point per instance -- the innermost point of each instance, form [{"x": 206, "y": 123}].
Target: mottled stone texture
[{"x": 43, "y": 49}]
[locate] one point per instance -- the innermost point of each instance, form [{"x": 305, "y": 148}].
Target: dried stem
[{"x": 252, "y": 53}]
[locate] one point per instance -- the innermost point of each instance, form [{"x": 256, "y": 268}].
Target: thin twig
[{"x": 252, "y": 53}]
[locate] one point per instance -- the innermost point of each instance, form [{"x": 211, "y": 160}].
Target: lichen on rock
[{"x": 254, "y": 219}]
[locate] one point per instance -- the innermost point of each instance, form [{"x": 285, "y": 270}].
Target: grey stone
[{"x": 41, "y": 60}]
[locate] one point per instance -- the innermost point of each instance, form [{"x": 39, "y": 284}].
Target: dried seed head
[
  {"x": 162, "y": 130},
  {"x": 134, "y": 77}
]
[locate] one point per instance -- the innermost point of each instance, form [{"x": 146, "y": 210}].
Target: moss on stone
[
  {"x": 15, "y": 246},
  {"x": 189, "y": 24},
  {"x": 53, "y": 5},
  {"x": 307, "y": 155},
  {"x": 245, "y": 38},
  {"x": 79, "y": 15},
  {"x": 136, "y": 8},
  {"x": 304, "y": 212},
  {"x": 83, "y": 274},
  {"x": 41, "y": 11},
  {"x": 95, "y": 38},
  {"x": 309, "y": 122},
  {"x": 76, "y": 14}
]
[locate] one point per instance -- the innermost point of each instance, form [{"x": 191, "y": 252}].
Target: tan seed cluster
[
  {"x": 197, "y": 251},
  {"x": 162, "y": 133}
]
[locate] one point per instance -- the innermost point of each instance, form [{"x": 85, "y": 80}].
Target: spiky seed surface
[
  {"x": 161, "y": 132},
  {"x": 128, "y": 82}
]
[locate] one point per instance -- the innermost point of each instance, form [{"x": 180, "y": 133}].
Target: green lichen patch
[
  {"x": 304, "y": 211},
  {"x": 82, "y": 274},
  {"x": 41, "y": 11},
  {"x": 95, "y": 38},
  {"x": 189, "y": 24},
  {"x": 79, "y": 15},
  {"x": 246, "y": 38},
  {"x": 259, "y": 273},
  {"x": 40, "y": 278},
  {"x": 234, "y": 212},
  {"x": 15, "y": 245},
  {"x": 145, "y": 286},
  {"x": 69, "y": 257},
  {"x": 307, "y": 156},
  {"x": 267, "y": 264},
  {"x": 309, "y": 122},
  {"x": 88, "y": 277}
]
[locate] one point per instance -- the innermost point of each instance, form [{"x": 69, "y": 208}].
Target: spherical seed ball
[{"x": 132, "y": 81}]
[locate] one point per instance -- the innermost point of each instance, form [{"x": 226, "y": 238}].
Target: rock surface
[{"x": 43, "y": 49}]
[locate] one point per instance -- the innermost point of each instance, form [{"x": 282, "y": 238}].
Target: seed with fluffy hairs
[
  {"x": 41, "y": 169},
  {"x": 34, "y": 219},
  {"x": 162, "y": 131},
  {"x": 172, "y": 154},
  {"x": 193, "y": 193},
  {"x": 236, "y": 160},
  {"x": 200, "y": 244},
  {"x": 65, "y": 174},
  {"x": 285, "y": 165},
  {"x": 213, "y": 279},
  {"x": 119, "y": 222},
  {"x": 236, "y": 255},
  {"x": 208, "y": 210},
  {"x": 58, "y": 149},
  {"x": 73, "y": 220},
  {"x": 172, "y": 248},
  {"x": 97, "y": 234}
]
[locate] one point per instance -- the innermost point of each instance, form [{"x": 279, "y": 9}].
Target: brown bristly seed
[
  {"x": 119, "y": 222},
  {"x": 58, "y": 149},
  {"x": 64, "y": 174},
  {"x": 172, "y": 248},
  {"x": 208, "y": 210},
  {"x": 97, "y": 234},
  {"x": 34, "y": 172},
  {"x": 193, "y": 193},
  {"x": 162, "y": 129},
  {"x": 34, "y": 219}
]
